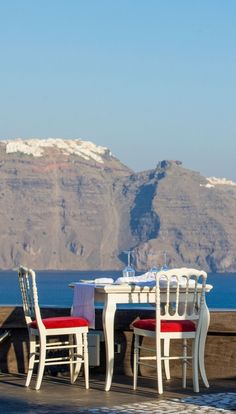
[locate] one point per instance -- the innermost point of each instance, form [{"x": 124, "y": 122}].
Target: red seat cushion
[
  {"x": 62, "y": 322},
  {"x": 166, "y": 326}
]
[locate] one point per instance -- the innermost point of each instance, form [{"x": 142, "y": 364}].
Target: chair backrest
[
  {"x": 27, "y": 280},
  {"x": 180, "y": 294}
]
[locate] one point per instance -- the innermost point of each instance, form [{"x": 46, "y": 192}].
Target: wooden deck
[{"x": 59, "y": 396}]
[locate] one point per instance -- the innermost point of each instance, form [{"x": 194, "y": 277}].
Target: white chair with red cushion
[
  {"x": 74, "y": 349},
  {"x": 180, "y": 309}
]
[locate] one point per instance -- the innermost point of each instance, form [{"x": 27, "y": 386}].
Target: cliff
[{"x": 72, "y": 205}]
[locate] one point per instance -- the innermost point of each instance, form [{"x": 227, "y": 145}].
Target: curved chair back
[
  {"x": 170, "y": 304},
  {"x": 27, "y": 280}
]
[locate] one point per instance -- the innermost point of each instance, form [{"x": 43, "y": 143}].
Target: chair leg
[
  {"x": 86, "y": 359},
  {"x": 159, "y": 367},
  {"x": 201, "y": 354},
  {"x": 41, "y": 366},
  {"x": 72, "y": 358},
  {"x": 195, "y": 366},
  {"x": 184, "y": 364},
  {"x": 32, "y": 344},
  {"x": 136, "y": 359},
  {"x": 167, "y": 361},
  {"x": 74, "y": 354}
]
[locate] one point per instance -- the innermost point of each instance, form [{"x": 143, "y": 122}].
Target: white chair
[
  {"x": 180, "y": 314},
  {"x": 44, "y": 335}
]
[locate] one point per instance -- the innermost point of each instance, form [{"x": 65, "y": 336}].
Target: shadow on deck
[{"x": 57, "y": 395}]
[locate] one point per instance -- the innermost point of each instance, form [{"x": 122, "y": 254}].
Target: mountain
[{"x": 69, "y": 204}]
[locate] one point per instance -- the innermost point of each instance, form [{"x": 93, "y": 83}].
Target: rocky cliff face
[
  {"x": 196, "y": 221},
  {"x": 71, "y": 205}
]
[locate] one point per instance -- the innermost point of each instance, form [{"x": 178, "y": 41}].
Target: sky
[{"x": 149, "y": 79}]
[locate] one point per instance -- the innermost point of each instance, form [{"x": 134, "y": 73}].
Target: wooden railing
[{"x": 220, "y": 354}]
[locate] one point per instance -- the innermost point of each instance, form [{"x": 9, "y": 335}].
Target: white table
[{"x": 111, "y": 295}]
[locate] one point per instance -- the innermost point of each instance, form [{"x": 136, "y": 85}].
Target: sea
[{"x": 54, "y": 290}]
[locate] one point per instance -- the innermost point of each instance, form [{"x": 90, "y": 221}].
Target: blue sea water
[{"x": 53, "y": 287}]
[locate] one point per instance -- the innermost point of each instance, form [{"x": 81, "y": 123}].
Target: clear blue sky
[{"x": 150, "y": 79}]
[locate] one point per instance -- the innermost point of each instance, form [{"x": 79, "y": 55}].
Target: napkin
[
  {"x": 83, "y": 302},
  {"x": 146, "y": 277},
  {"x": 104, "y": 280}
]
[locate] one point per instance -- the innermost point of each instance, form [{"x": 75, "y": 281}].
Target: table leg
[
  {"x": 202, "y": 341},
  {"x": 108, "y": 329}
]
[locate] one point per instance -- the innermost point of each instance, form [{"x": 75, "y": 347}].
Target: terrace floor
[{"x": 58, "y": 396}]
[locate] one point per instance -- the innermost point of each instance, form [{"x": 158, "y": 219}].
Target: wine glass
[
  {"x": 164, "y": 235},
  {"x": 153, "y": 268},
  {"x": 128, "y": 271},
  {"x": 164, "y": 266}
]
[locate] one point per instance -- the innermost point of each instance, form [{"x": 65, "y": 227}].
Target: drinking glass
[
  {"x": 164, "y": 266},
  {"x": 163, "y": 236},
  {"x": 153, "y": 268},
  {"x": 128, "y": 271}
]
